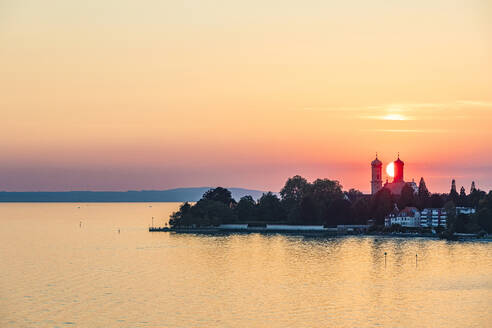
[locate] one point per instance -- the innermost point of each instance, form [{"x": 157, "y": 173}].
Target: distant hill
[{"x": 170, "y": 195}]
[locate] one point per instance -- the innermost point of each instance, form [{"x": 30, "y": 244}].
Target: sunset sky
[{"x": 119, "y": 95}]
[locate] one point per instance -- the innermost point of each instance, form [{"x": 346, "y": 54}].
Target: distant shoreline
[{"x": 131, "y": 196}]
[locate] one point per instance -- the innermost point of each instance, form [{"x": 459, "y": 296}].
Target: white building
[
  {"x": 408, "y": 217},
  {"x": 465, "y": 210},
  {"x": 433, "y": 217}
]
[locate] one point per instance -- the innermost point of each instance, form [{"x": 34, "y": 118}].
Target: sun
[
  {"x": 394, "y": 117},
  {"x": 390, "y": 169}
]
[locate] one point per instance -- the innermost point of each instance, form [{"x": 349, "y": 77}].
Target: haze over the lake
[{"x": 118, "y": 95}]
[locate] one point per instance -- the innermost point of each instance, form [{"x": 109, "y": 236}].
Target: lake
[{"x": 96, "y": 265}]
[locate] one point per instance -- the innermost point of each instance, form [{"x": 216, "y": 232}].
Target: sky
[{"x": 130, "y": 95}]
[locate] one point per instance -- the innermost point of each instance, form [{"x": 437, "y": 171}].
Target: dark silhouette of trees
[
  {"x": 219, "y": 194},
  {"x": 182, "y": 217},
  {"x": 462, "y": 199},
  {"x": 423, "y": 196},
  {"x": 484, "y": 212},
  {"x": 361, "y": 210},
  {"x": 270, "y": 208},
  {"x": 475, "y": 197},
  {"x": 324, "y": 202},
  {"x": 246, "y": 209},
  {"x": 381, "y": 205},
  {"x": 437, "y": 200},
  {"x": 353, "y": 195},
  {"x": 325, "y": 192},
  {"x": 338, "y": 212},
  {"x": 453, "y": 194},
  {"x": 309, "y": 211},
  {"x": 407, "y": 197},
  {"x": 294, "y": 190}
]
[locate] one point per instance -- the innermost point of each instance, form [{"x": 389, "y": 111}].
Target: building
[
  {"x": 409, "y": 217},
  {"x": 433, "y": 217},
  {"x": 396, "y": 186},
  {"x": 377, "y": 176},
  {"x": 464, "y": 210}
]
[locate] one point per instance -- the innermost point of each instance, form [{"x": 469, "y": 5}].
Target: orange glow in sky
[{"x": 116, "y": 95}]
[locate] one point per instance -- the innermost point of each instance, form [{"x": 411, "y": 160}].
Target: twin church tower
[{"x": 377, "y": 176}]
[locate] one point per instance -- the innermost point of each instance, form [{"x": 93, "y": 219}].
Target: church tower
[
  {"x": 398, "y": 170},
  {"x": 377, "y": 176}
]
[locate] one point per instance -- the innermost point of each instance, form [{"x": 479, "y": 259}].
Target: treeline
[{"x": 322, "y": 202}]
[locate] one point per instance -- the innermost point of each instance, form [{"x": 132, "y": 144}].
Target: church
[{"x": 396, "y": 185}]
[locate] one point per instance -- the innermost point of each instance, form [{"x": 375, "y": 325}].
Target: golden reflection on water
[{"x": 56, "y": 273}]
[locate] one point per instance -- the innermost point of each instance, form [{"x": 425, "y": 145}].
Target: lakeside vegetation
[{"x": 323, "y": 202}]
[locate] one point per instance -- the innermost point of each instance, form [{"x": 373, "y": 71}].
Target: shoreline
[{"x": 313, "y": 233}]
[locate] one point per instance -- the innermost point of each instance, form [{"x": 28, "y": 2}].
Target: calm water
[{"x": 55, "y": 273}]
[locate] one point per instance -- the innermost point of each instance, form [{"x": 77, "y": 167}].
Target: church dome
[
  {"x": 399, "y": 161},
  {"x": 376, "y": 162}
]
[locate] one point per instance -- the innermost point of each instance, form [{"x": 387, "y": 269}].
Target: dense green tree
[{"x": 246, "y": 209}]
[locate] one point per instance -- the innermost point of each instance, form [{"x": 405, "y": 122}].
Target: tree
[
  {"x": 453, "y": 194},
  {"x": 437, "y": 201},
  {"x": 309, "y": 211},
  {"x": 475, "y": 197},
  {"x": 407, "y": 197},
  {"x": 246, "y": 209},
  {"x": 294, "y": 190},
  {"x": 219, "y": 194},
  {"x": 381, "y": 205},
  {"x": 353, "y": 195},
  {"x": 423, "y": 198},
  {"x": 472, "y": 187},
  {"x": 360, "y": 210},
  {"x": 338, "y": 212},
  {"x": 270, "y": 208},
  {"x": 207, "y": 212},
  {"x": 450, "y": 209},
  {"x": 324, "y": 193},
  {"x": 181, "y": 217},
  {"x": 462, "y": 199},
  {"x": 484, "y": 212}
]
